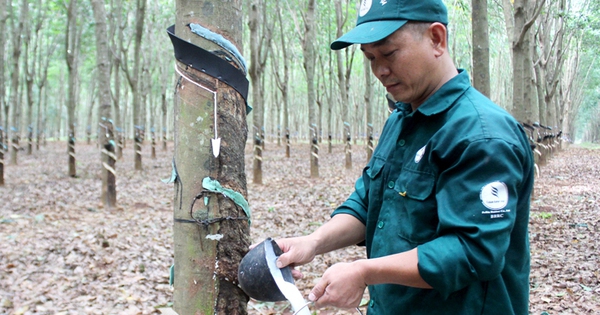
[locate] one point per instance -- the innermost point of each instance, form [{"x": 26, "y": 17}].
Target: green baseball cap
[{"x": 378, "y": 19}]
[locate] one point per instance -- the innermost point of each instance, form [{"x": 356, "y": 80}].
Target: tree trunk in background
[
  {"x": 61, "y": 101},
  {"x": 116, "y": 31},
  {"x": 525, "y": 109},
  {"x": 152, "y": 126},
  {"x": 308, "y": 49},
  {"x": 283, "y": 79},
  {"x": 573, "y": 84},
  {"x": 202, "y": 286},
  {"x": 15, "y": 129},
  {"x": 163, "y": 107},
  {"x": 91, "y": 102},
  {"x": 481, "y": 46},
  {"x": 42, "y": 79},
  {"x": 343, "y": 85},
  {"x": 3, "y": 117},
  {"x": 133, "y": 77},
  {"x": 260, "y": 32},
  {"x": 369, "y": 106},
  {"x": 73, "y": 36},
  {"x": 29, "y": 62},
  {"x": 550, "y": 61},
  {"x": 106, "y": 128}
]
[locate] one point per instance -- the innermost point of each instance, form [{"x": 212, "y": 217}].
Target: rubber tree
[
  {"x": 133, "y": 78},
  {"x": 521, "y": 21},
  {"x": 309, "y": 61},
  {"x": 44, "y": 57},
  {"x": 369, "y": 106},
  {"x": 3, "y": 119},
  {"x": 116, "y": 32},
  {"x": 261, "y": 34},
  {"x": 72, "y": 48},
  {"x": 283, "y": 78},
  {"x": 105, "y": 128},
  {"x": 19, "y": 29},
  {"x": 343, "y": 73},
  {"x": 211, "y": 231},
  {"x": 481, "y": 46}
]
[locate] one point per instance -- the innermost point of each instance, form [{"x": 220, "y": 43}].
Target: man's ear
[{"x": 438, "y": 34}]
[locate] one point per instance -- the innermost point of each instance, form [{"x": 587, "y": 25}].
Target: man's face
[{"x": 404, "y": 64}]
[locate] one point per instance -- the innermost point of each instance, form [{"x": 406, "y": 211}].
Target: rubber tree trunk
[
  {"x": 133, "y": 77},
  {"x": 106, "y": 127},
  {"x": 481, "y": 46},
  {"x": 342, "y": 83},
  {"x": 1, "y": 156},
  {"x": 207, "y": 255},
  {"x": 523, "y": 89},
  {"x": 15, "y": 129},
  {"x": 261, "y": 34},
  {"x": 369, "y": 107},
  {"x": 72, "y": 38},
  {"x": 3, "y": 118},
  {"x": 163, "y": 107},
  {"x": 308, "y": 49}
]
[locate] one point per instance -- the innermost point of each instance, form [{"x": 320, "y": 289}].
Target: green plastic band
[{"x": 214, "y": 186}]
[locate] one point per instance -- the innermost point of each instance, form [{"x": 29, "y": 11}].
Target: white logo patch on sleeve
[
  {"x": 494, "y": 196},
  {"x": 365, "y": 6}
]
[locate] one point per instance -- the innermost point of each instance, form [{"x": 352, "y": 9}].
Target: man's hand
[
  {"x": 296, "y": 251},
  {"x": 342, "y": 285}
]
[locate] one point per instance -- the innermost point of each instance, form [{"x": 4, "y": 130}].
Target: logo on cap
[
  {"x": 494, "y": 196},
  {"x": 365, "y": 6}
]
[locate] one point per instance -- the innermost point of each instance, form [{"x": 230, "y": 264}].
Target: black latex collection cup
[{"x": 255, "y": 276}]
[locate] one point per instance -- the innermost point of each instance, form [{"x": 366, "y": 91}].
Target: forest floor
[{"x": 61, "y": 252}]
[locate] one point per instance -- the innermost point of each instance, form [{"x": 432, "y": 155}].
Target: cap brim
[{"x": 368, "y": 32}]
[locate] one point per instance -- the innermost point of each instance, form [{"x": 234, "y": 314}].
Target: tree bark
[
  {"x": 309, "y": 66},
  {"x": 73, "y": 36},
  {"x": 260, "y": 32},
  {"x": 163, "y": 108},
  {"x": 3, "y": 117},
  {"x": 42, "y": 79},
  {"x": 14, "y": 93},
  {"x": 106, "y": 128},
  {"x": 481, "y": 47},
  {"x": 369, "y": 106},
  {"x": 133, "y": 77},
  {"x": 525, "y": 13},
  {"x": 117, "y": 31},
  {"x": 207, "y": 255},
  {"x": 283, "y": 80},
  {"x": 343, "y": 77}
]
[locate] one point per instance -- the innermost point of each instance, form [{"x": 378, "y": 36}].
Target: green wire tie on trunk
[{"x": 214, "y": 186}]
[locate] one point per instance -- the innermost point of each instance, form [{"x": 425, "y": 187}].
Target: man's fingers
[
  {"x": 284, "y": 260},
  {"x": 318, "y": 291},
  {"x": 297, "y": 274}
]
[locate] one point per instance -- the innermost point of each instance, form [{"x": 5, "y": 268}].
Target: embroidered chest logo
[
  {"x": 420, "y": 154},
  {"x": 365, "y": 6},
  {"x": 494, "y": 196}
]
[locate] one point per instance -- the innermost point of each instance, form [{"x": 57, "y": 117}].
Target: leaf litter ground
[{"x": 61, "y": 252}]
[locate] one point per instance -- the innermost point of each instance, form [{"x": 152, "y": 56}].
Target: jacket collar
[{"x": 443, "y": 98}]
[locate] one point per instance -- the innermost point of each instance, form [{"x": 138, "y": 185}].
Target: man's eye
[{"x": 389, "y": 53}]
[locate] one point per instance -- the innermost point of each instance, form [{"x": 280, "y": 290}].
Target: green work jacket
[{"x": 454, "y": 179}]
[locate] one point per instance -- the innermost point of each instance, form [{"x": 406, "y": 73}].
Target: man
[{"x": 443, "y": 205}]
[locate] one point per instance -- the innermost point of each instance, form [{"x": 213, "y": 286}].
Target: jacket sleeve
[
  {"x": 477, "y": 198},
  {"x": 357, "y": 204}
]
